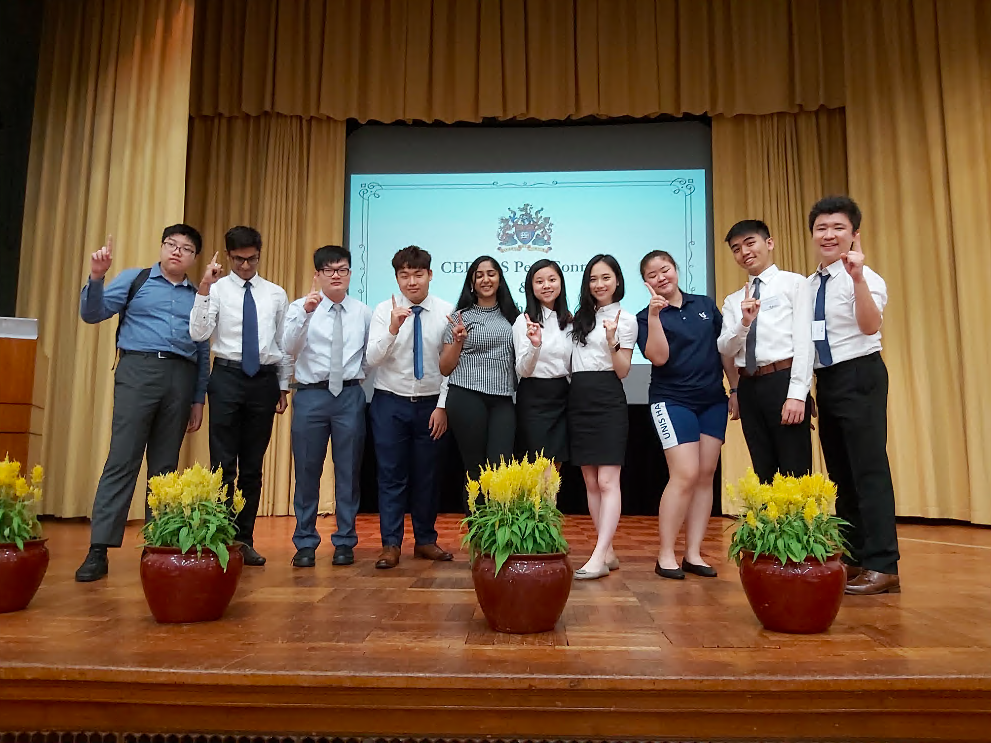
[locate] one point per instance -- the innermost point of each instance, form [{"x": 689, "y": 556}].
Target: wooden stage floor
[{"x": 406, "y": 653}]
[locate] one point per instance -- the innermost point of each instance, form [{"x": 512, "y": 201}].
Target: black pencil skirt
[
  {"x": 598, "y": 422},
  {"x": 541, "y": 417}
]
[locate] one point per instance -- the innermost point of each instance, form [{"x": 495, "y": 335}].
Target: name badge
[
  {"x": 818, "y": 330},
  {"x": 771, "y": 302}
]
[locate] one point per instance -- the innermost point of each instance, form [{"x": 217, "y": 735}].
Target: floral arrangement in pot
[
  {"x": 788, "y": 545},
  {"x": 520, "y": 565},
  {"x": 23, "y": 554},
  {"x": 191, "y": 564}
]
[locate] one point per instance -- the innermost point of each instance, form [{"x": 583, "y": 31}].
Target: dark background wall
[{"x": 20, "y": 36}]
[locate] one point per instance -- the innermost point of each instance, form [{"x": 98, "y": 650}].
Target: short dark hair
[
  {"x": 330, "y": 254},
  {"x": 242, "y": 237},
  {"x": 836, "y": 205},
  {"x": 748, "y": 227},
  {"x": 663, "y": 254},
  {"x": 411, "y": 257},
  {"x": 186, "y": 231}
]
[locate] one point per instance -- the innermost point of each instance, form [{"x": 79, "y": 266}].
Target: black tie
[{"x": 751, "y": 357}]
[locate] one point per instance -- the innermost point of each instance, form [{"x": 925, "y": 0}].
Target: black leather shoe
[
  {"x": 251, "y": 557},
  {"x": 704, "y": 570},
  {"x": 94, "y": 567},
  {"x": 343, "y": 555},
  {"x": 306, "y": 557},
  {"x": 673, "y": 574}
]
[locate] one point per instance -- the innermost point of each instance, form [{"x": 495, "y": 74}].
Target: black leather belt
[
  {"x": 415, "y": 398},
  {"x": 158, "y": 355},
  {"x": 321, "y": 385},
  {"x": 263, "y": 369}
]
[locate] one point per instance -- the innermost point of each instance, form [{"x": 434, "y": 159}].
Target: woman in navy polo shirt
[{"x": 677, "y": 334}]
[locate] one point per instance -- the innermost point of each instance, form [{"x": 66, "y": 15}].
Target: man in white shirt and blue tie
[
  {"x": 327, "y": 331},
  {"x": 408, "y": 413},
  {"x": 243, "y": 314},
  {"x": 767, "y": 332},
  {"x": 848, "y": 300}
]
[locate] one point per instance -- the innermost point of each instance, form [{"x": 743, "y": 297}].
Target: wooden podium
[{"x": 21, "y": 389}]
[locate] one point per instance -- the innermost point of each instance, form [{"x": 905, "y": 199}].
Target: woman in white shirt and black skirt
[
  {"x": 604, "y": 335},
  {"x": 477, "y": 358},
  {"x": 542, "y": 339}
]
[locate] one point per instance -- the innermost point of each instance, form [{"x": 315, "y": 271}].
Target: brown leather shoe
[
  {"x": 852, "y": 571},
  {"x": 431, "y": 552},
  {"x": 871, "y": 582},
  {"x": 389, "y": 558}
]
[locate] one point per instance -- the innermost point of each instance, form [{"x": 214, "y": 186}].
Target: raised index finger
[
  {"x": 314, "y": 286},
  {"x": 618, "y": 313},
  {"x": 110, "y": 245},
  {"x": 215, "y": 257},
  {"x": 746, "y": 288},
  {"x": 393, "y": 301}
]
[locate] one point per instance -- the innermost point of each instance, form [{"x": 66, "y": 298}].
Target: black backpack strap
[{"x": 138, "y": 282}]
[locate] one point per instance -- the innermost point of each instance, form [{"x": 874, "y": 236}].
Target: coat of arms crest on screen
[{"x": 525, "y": 229}]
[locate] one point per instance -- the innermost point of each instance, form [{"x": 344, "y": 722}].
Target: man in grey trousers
[{"x": 160, "y": 381}]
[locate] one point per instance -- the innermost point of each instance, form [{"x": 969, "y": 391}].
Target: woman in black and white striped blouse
[{"x": 478, "y": 359}]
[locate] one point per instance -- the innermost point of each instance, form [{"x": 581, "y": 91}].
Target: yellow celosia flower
[
  {"x": 37, "y": 475},
  {"x": 811, "y": 510},
  {"x": 9, "y": 472},
  {"x": 772, "y": 511},
  {"x": 238, "y": 501},
  {"x": 21, "y": 488},
  {"x": 751, "y": 519}
]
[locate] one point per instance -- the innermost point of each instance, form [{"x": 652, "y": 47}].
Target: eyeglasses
[
  {"x": 174, "y": 246},
  {"x": 342, "y": 272},
  {"x": 249, "y": 261}
]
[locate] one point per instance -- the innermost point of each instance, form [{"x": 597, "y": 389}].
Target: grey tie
[
  {"x": 751, "y": 357},
  {"x": 335, "y": 382}
]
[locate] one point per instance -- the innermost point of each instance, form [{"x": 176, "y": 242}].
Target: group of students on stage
[{"x": 439, "y": 366}]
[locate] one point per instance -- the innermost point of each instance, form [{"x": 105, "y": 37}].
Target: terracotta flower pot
[
  {"x": 529, "y": 593},
  {"x": 186, "y": 587},
  {"x": 21, "y": 573},
  {"x": 801, "y": 598}
]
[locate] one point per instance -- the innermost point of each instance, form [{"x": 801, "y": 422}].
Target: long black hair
[
  {"x": 534, "y": 307},
  {"x": 584, "y": 322},
  {"x": 504, "y": 299}
]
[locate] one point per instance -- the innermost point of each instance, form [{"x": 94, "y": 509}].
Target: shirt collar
[
  {"x": 614, "y": 307},
  {"x": 255, "y": 280},
  {"x": 832, "y": 269},
  {"x": 766, "y": 275},
  {"x": 156, "y": 272},
  {"x": 548, "y": 313},
  {"x": 427, "y": 303},
  {"x": 327, "y": 304}
]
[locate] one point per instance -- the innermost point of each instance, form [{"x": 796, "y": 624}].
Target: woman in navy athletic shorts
[{"x": 677, "y": 334}]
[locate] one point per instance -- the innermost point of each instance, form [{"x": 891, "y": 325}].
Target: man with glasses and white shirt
[
  {"x": 244, "y": 314},
  {"x": 327, "y": 331},
  {"x": 159, "y": 383}
]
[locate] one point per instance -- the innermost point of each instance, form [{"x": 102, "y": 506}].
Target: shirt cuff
[
  {"x": 797, "y": 391},
  {"x": 742, "y": 331}
]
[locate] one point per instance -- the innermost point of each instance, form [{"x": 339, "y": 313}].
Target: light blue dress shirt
[
  {"x": 307, "y": 337},
  {"x": 157, "y": 319}
]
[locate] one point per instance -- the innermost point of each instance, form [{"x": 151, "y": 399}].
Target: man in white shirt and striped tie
[
  {"x": 767, "y": 331},
  {"x": 848, "y": 300},
  {"x": 243, "y": 314},
  {"x": 327, "y": 332}
]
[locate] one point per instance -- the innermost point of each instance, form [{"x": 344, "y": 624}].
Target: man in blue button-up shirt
[{"x": 160, "y": 381}]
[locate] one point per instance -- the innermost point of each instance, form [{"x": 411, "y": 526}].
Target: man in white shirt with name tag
[
  {"x": 848, "y": 300},
  {"x": 327, "y": 332},
  {"x": 766, "y": 329},
  {"x": 408, "y": 414},
  {"x": 243, "y": 314}
]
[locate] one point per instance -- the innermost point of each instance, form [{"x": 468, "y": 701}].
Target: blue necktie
[
  {"x": 417, "y": 343},
  {"x": 822, "y": 347},
  {"x": 249, "y": 334}
]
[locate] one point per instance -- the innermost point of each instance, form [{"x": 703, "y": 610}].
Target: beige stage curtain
[
  {"x": 464, "y": 60},
  {"x": 283, "y": 175},
  {"x": 919, "y": 140},
  {"x": 771, "y": 168},
  {"x": 108, "y": 155}
]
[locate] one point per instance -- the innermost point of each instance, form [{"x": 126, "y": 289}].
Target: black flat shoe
[
  {"x": 704, "y": 570},
  {"x": 306, "y": 557},
  {"x": 343, "y": 555},
  {"x": 674, "y": 574},
  {"x": 251, "y": 557},
  {"x": 94, "y": 567}
]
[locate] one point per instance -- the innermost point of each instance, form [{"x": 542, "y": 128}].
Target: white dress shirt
[
  {"x": 552, "y": 360},
  {"x": 392, "y": 355},
  {"x": 596, "y": 355},
  {"x": 308, "y": 337},
  {"x": 219, "y": 317},
  {"x": 845, "y": 339},
  {"x": 784, "y": 327}
]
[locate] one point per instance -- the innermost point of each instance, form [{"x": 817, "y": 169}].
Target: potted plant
[
  {"x": 788, "y": 546},
  {"x": 519, "y": 560},
  {"x": 23, "y": 554},
  {"x": 190, "y": 565}
]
